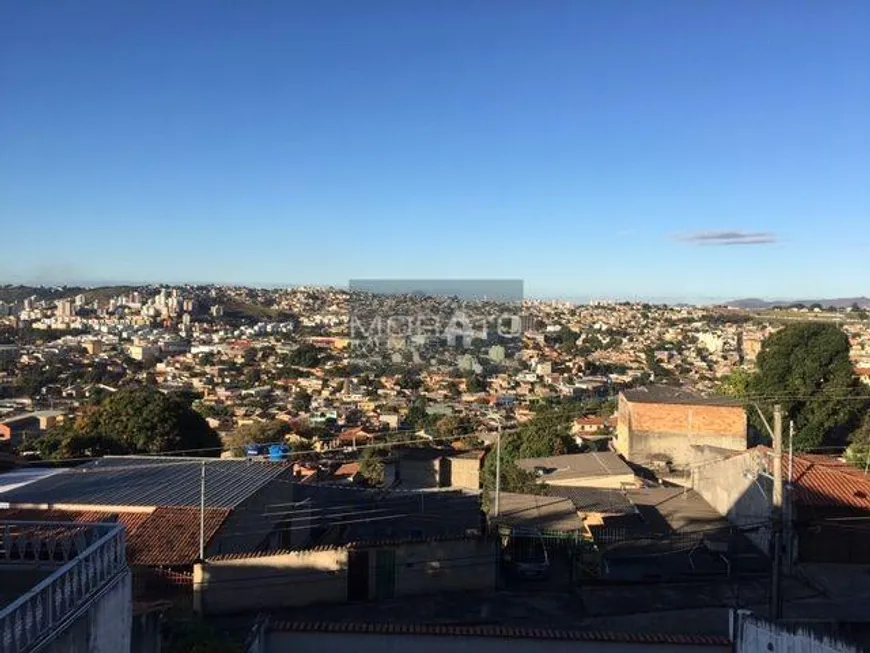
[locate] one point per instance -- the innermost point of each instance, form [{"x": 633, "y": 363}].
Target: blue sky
[{"x": 593, "y": 149}]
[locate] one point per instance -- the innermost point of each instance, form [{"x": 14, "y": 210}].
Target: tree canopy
[
  {"x": 547, "y": 434},
  {"x": 270, "y": 432},
  {"x": 806, "y": 368},
  {"x": 135, "y": 419}
]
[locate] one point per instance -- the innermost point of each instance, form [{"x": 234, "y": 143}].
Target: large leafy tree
[
  {"x": 806, "y": 368},
  {"x": 858, "y": 452},
  {"x": 135, "y": 419},
  {"x": 547, "y": 434}
]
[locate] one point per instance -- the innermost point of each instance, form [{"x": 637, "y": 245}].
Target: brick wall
[
  {"x": 645, "y": 430},
  {"x": 697, "y": 420}
]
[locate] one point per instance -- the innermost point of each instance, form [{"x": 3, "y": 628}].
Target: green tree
[
  {"x": 453, "y": 426},
  {"x": 270, "y": 432},
  {"x": 302, "y": 401},
  {"x": 806, "y": 368},
  {"x": 547, "y": 434},
  {"x": 410, "y": 380},
  {"x": 305, "y": 355},
  {"x": 735, "y": 384},
  {"x": 145, "y": 420},
  {"x": 475, "y": 383},
  {"x": 513, "y": 478},
  {"x": 417, "y": 414},
  {"x": 858, "y": 452},
  {"x": 135, "y": 419},
  {"x": 371, "y": 467}
]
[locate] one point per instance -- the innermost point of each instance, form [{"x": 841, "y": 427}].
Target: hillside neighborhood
[{"x": 622, "y": 454}]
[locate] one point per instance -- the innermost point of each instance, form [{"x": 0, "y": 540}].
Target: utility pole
[
  {"x": 789, "y": 501},
  {"x": 202, "y": 514},
  {"x": 497, "y": 468},
  {"x": 776, "y": 515}
]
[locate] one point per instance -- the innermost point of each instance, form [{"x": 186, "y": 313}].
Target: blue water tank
[{"x": 279, "y": 452}]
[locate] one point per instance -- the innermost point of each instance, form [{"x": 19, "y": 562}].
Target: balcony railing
[{"x": 89, "y": 555}]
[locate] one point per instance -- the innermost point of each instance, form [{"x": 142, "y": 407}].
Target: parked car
[{"x": 525, "y": 555}]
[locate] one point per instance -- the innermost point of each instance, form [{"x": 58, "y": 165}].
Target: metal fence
[
  {"x": 89, "y": 556},
  {"x": 712, "y": 551}
]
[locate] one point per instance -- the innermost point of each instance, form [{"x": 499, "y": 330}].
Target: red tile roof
[
  {"x": 348, "y": 470},
  {"x": 827, "y": 481},
  {"x": 448, "y": 630},
  {"x": 166, "y": 536},
  {"x": 170, "y": 536}
]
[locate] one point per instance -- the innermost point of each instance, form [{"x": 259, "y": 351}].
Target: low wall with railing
[{"x": 89, "y": 592}]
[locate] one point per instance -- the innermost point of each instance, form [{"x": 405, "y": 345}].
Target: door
[
  {"x": 357, "y": 575},
  {"x": 385, "y": 579}
]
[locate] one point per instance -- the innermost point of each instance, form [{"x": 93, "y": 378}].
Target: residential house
[
  {"x": 590, "y": 425},
  {"x": 158, "y": 501},
  {"x": 362, "y": 544},
  {"x": 661, "y": 425},
  {"x": 602, "y": 469},
  {"x": 417, "y": 468},
  {"x": 17, "y": 428},
  {"x": 382, "y": 569},
  {"x": 827, "y": 503}
]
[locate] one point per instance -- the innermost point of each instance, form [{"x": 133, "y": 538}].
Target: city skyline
[{"x": 676, "y": 151}]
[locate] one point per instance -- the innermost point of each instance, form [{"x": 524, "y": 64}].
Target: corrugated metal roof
[
  {"x": 150, "y": 481},
  {"x": 589, "y": 499},
  {"x": 578, "y": 465},
  {"x": 15, "y": 478},
  {"x": 537, "y": 512}
]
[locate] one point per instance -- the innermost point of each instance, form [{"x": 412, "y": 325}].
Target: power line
[{"x": 340, "y": 450}]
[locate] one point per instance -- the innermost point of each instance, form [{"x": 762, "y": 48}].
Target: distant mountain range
[{"x": 754, "y": 304}]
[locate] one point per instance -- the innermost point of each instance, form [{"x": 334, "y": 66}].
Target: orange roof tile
[
  {"x": 348, "y": 470},
  {"x": 170, "y": 536},
  {"x": 498, "y": 631},
  {"x": 166, "y": 536},
  {"x": 826, "y": 481}
]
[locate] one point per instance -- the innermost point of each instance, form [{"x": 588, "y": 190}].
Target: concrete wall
[
  {"x": 758, "y": 636},
  {"x": 103, "y": 627},
  {"x": 677, "y": 447},
  {"x": 645, "y": 430},
  {"x": 282, "y": 580},
  {"x": 320, "y": 576},
  {"x": 269, "y": 509},
  {"x": 465, "y": 473},
  {"x": 280, "y": 642},
  {"x": 734, "y": 488},
  {"x": 419, "y": 474},
  {"x": 146, "y": 633},
  {"x": 448, "y": 566}
]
